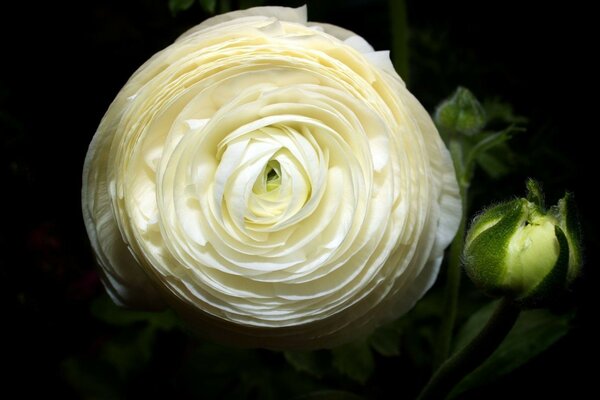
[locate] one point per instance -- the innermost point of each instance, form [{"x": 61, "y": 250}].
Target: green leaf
[
  {"x": 485, "y": 142},
  {"x": 329, "y": 395},
  {"x": 497, "y": 161},
  {"x": 108, "y": 312},
  {"x": 473, "y": 325},
  {"x": 355, "y": 361},
  {"x": 176, "y": 6},
  {"x": 92, "y": 379},
  {"x": 214, "y": 371},
  {"x": 386, "y": 339},
  {"x": 315, "y": 363},
  {"x": 493, "y": 165},
  {"x": 209, "y": 5},
  {"x": 497, "y": 110},
  {"x": 131, "y": 351},
  {"x": 534, "y": 332},
  {"x": 125, "y": 351}
]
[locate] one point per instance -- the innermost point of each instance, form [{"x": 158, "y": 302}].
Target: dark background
[{"x": 62, "y": 64}]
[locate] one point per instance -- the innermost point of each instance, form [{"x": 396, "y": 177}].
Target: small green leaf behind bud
[
  {"x": 461, "y": 113},
  {"x": 519, "y": 250}
]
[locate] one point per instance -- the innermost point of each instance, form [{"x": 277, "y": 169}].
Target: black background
[{"x": 62, "y": 64}]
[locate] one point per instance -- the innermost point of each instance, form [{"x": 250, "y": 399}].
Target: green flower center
[{"x": 272, "y": 174}]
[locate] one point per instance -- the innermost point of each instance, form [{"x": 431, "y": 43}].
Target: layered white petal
[{"x": 273, "y": 181}]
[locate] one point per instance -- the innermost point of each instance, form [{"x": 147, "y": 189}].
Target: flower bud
[
  {"x": 520, "y": 250},
  {"x": 461, "y": 113}
]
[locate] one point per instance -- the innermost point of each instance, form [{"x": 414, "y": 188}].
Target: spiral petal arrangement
[{"x": 273, "y": 181}]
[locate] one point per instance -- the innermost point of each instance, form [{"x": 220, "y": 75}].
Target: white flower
[{"x": 273, "y": 181}]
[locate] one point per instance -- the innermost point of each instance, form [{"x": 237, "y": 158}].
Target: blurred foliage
[
  {"x": 65, "y": 337},
  {"x": 534, "y": 332},
  {"x": 132, "y": 339},
  {"x": 176, "y": 6},
  {"x": 212, "y": 6},
  {"x": 464, "y": 126}
]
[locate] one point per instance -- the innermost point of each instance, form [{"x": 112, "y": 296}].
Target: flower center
[
  {"x": 265, "y": 177},
  {"x": 273, "y": 175}
]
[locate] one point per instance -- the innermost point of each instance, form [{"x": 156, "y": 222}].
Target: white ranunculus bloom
[{"x": 273, "y": 181}]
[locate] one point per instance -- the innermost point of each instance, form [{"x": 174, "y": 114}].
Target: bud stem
[
  {"x": 473, "y": 354},
  {"x": 452, "y": 288}
]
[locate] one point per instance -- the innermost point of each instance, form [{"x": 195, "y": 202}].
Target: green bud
[
  {"x": 461, "y": 113},
  {"x": 520, "y": 250}
]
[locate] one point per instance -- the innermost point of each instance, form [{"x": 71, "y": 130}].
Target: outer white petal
[
  {"x": 333, "y": 30},
  {"x": 449, "y": 199},
  {"x": 381, "y": 59},
  {"x": 296, "y": 15},
  {"x": 126, "y": 283}
]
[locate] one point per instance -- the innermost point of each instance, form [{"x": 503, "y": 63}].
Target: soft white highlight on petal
[
  {"x": 333, "y": 30},
  {"x": 359, "y": 44},
  {"x": 381, "y": 59},
  {"x": 273, "y": 181}
]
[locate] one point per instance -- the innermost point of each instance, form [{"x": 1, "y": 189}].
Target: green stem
[
  {"x": 399, "y": 26},
  {"x": 472, "y": 355},
  {"x": 451, "y": 291}
]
